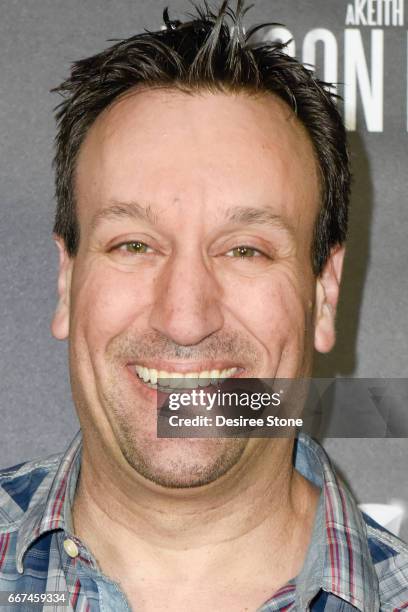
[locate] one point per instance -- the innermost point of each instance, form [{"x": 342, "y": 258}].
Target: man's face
[{"x": 196, "y": 216}]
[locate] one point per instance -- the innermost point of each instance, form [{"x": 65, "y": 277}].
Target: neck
[{"x": 262, "y": 510}]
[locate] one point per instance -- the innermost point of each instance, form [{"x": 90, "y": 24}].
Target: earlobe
[
  {"x": 60, "y": 321},
  {"x": 327, "y": 296}
]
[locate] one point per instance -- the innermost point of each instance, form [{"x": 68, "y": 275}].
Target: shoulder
[
  {"x": 389, "y": 555},
  {"x": 23, "y": 486}
]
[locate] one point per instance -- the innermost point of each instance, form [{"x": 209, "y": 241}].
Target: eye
[
  {"x": 244, "y": 252},
  {"x": 133, "y": 248}
]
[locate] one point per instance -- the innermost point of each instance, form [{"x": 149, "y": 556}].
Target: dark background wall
[{"x": 38, "y": 42}]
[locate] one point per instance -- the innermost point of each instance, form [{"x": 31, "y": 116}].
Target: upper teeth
[{"x": 180, "y": 380}]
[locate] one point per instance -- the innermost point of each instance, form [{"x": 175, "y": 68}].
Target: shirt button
[{"x": 71, "y": 548}]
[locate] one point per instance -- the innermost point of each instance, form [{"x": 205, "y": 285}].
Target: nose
[{"x": 187, "y": 304}]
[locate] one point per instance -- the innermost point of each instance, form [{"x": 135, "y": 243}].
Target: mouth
[{"x": 168, "y": 380}]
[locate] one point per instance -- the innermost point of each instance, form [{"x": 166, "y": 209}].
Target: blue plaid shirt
[{"x": 351, "y": 564}]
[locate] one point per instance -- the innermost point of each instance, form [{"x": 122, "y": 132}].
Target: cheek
[
  {"x": 107, "y": 302},
  {"x": 274, "y": 308}
]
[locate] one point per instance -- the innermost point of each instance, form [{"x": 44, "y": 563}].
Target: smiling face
[{"x": 196, "y": 216}]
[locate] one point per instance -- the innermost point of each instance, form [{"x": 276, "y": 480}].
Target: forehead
[{"x": 211, "y": 149}]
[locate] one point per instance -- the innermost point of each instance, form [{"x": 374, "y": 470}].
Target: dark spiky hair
[{"x": 209, "y": 51}]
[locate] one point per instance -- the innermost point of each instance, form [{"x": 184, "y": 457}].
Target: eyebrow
[
  {"x": 118, "y": 210},
  {"x": 251, "y": 215},
  {"x": 240, "y": 215}
]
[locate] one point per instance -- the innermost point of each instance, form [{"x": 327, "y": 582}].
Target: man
[{"x": 202, "y": 188}]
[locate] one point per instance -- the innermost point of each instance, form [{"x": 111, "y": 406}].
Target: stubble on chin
[{"x": 179, "y": 463}]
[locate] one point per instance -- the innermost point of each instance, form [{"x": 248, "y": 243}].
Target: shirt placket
[{"x": 90, "y": 590}]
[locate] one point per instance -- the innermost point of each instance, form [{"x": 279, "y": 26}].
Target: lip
[{"x": 158, "y": 397}]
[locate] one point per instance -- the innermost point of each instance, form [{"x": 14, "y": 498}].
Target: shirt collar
[
  {"x": 54, "y": 510},
  {"x": 338, "y": 559}
]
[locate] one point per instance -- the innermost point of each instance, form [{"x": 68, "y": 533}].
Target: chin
[{"x": 182, "y": 462}]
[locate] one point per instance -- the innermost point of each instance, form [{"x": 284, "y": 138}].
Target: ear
[
  {"x": 60, "y": 321},
  {"x": 327, "y": 295}
]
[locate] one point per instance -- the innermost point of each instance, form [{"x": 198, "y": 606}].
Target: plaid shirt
[{"x": 352, "y": 563}]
